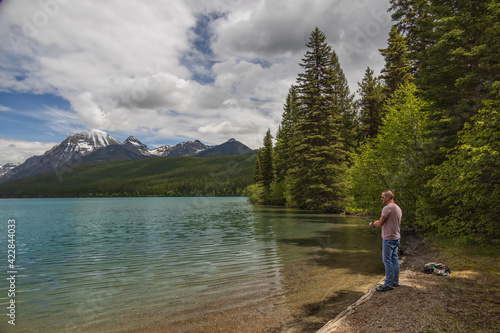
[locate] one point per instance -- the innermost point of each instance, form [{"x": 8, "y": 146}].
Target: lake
[{"x": 179, "y": 265}]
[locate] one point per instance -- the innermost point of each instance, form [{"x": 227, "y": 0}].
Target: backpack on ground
[{"x": 436, "y": 268}]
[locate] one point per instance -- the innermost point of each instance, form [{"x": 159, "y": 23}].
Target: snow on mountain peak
[
  {"x": 133, "y": 140},
  {"x": 7, "y": 167},
  {"x": 86, "y": 142},
  {"x": 99, "y": 137}
]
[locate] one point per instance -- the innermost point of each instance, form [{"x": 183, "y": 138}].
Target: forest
[
  {"x": 169, "y": 177},
  {"x": 428, "y": 127}
]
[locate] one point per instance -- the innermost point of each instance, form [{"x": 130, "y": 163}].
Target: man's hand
[{"x": 380, "y": 222}]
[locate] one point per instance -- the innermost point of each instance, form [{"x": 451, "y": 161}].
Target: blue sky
[{"x": 166, "y": 71}]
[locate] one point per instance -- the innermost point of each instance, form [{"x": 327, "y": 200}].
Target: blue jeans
[{"x": 391, "y": 262}]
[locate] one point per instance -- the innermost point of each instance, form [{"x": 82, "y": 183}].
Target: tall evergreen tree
[
  {"x": 344, "y": 100},
  {"x": 413, "y": 21},
  {"x": 257, "y": 169},
  {"x": 458, "y": 70},
  {"x": 467, "y": 184},
  {"x": 317, "y": 179},
  {"x": 371, "y": 105},
  {"x": 455, "y": 45},
  {"x": 397, "y": 69},
  {"x": 267, "y": 161},
  {"x": 285, "y": 137}
]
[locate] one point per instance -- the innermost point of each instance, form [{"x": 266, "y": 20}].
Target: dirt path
[{"x": 465, "y": 301}]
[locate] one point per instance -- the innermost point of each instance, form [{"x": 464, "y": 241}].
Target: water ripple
[{"x": 96, "y": 265}]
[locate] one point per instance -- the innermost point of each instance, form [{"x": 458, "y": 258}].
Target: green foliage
[
  {"x": 255, "y": 192},
  {"x": 460, "y": 56},
  {"x": 414, "y": 21},
  {"x": 278, "y": 194},
  {"x": 343, "y": 101},
  {"x": 468, "y": 182},
  {"x": 266, "y": 157},
  {"x": 393, "y": 159},
  {"x": 285, "y": 145},
  {"x": 397, "y": 70},
  {"x": 257, "y": 169},
  {"x": 314, "y": 139},
  {"x": 323, "y": 132},
  {"x": 371, "y": 105},
  {"x": 264, "y": 172},
  {"x": 454, "y": 46},
  {"x": 435, "y": 141},
  {"x": 177, "y": 176},
  {"x": 275, "y": 195}
]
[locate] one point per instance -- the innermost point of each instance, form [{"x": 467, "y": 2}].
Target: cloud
[
  {"x": 59, "y": 120},
  {"x": 178, "y": 69},
  {"x": 225, "y": 127},
  {"x": 15, "y": 151},
  {"x": 5, "y": 108},
  {"x": 229, "y": 128}
]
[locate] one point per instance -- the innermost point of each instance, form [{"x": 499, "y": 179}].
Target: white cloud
[
  {"x": 120, "y": 63},
  {"x": 14, "y": 151},
  {"x": 5, "y": 108},
  {"x": 226, "y": 127},
  {"x": 59, "y": 121}
]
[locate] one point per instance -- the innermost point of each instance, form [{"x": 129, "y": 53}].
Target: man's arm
[{"x": 380, "y": 223}]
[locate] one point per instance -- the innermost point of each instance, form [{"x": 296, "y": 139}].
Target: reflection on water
[{"x": 183, "y": 265}]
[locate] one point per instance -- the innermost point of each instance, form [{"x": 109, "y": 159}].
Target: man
[{"x": 390, "y": 222}]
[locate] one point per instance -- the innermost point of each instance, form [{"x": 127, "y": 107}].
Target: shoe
[
  {"x": 383, "y": 288},
  {"x": 396, "y": 285}
]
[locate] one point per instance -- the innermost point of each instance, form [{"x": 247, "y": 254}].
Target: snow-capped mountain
[
  {"x": 68, "y": 153},
  {"x": 97, "y": 147},
  {"x": 189, "y": 148},
  {"x": 82, "y": 144},
  {"x": 137, "y": 146},
  {"x": 7, "y": 167},
  {"x": 161, "y": 151}
]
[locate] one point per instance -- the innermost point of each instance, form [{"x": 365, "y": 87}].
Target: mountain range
[{"x": 98, "y": 147}]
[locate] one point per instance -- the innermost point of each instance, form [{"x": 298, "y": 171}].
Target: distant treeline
[{"x": 170, "y": 177}]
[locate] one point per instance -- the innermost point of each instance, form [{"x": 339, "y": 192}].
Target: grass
[{"x": 473, "y": 291}]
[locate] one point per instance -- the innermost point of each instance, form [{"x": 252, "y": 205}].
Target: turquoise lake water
[{"x": 180, "y": 265}]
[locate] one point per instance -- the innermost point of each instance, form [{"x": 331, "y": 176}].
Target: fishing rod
[{"x": 368, "y": 220}]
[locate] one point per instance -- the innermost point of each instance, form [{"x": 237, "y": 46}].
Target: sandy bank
[{"x": 465, "y": 301}]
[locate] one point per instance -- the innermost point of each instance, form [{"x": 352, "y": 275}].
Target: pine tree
[
  {"x": 454, "y": 46},
  {"x": 285, "y": 137},
  {"x": 267, "y": 161},
  {"x": 459, "y": 68},
  {"x": 344, "y": 100},
  {"x": 371, "y": 105},
  {"x": 320, "y": 147},
  {"x": 471, "y": 171},
  {"x": 413, "y": 21},
  {"x": 257, "y": 170},
  {"x": 397, "y": 69}
]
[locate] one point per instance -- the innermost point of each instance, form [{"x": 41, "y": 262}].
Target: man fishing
[{"x": 390, "y": 223}]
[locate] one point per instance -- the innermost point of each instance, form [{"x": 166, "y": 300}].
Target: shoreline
[
  {"x": 465, "y": 301},
  {"x": 413, "y": 247}
]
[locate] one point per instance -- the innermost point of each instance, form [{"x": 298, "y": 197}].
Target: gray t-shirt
[{"x": 392, "y": 226}]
